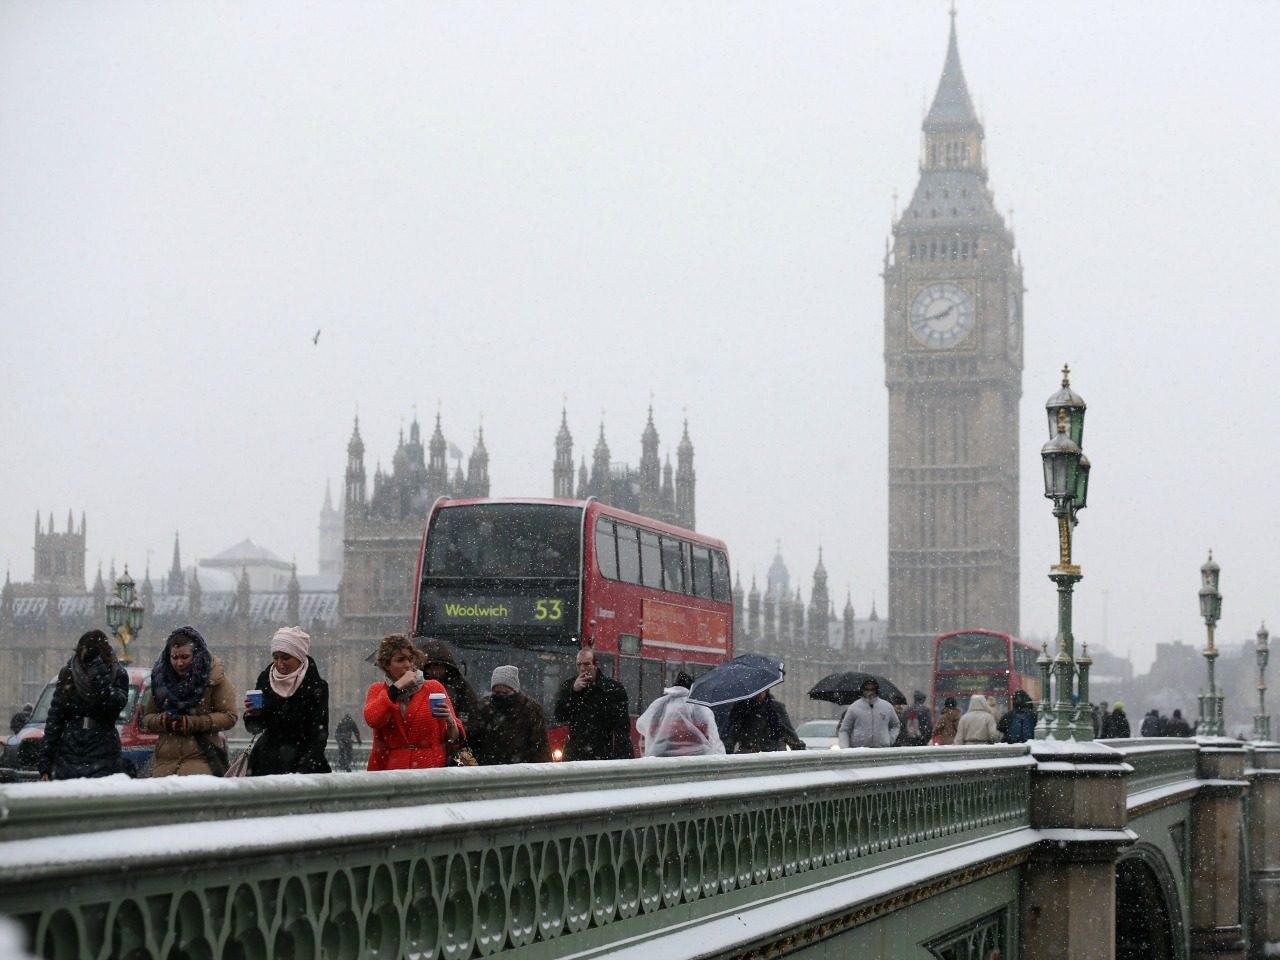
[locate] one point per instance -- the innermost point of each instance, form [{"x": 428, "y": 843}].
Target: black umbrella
[
  {"x": 846, "y": 687},
  {"x": 737, "y": 679}
]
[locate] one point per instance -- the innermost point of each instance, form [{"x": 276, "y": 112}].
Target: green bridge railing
[{"x": 586, "y": 859}]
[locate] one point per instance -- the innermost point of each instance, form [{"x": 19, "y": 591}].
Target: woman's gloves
[{"x": 176, "y": 723}]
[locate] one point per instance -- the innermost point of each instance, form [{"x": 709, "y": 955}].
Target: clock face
[{"x": 941, "y": 315}]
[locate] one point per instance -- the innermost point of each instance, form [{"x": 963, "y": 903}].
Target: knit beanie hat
[
  {"x": 508, "y": 676},
  {"x": 293, "y": 641}
]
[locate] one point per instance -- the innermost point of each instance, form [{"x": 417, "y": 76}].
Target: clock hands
[{"x": 931, "y": 317}]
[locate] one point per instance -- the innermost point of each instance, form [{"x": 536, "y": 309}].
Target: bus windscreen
[
  {"x": 504, "y": 541},
  {"x": 973, "y": 652}
]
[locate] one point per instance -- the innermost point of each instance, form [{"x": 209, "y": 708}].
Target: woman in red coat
[{"x": 408, "y": 732}]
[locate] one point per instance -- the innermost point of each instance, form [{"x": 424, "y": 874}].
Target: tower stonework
[{"x": 953, "y": 368}]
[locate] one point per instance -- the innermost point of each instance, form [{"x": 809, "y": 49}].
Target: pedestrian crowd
[{"x": 424, "y": 713}]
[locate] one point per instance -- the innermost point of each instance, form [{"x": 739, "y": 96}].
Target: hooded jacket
[
  {"x": 978, "y": 725},
  {"x": 178, "y": 755},
  {"x": 869, "y": 723},
  {"x": 80, "y": 735},
  {"x": 461, "y": 695},
  {"x": 292, "y": 731}
]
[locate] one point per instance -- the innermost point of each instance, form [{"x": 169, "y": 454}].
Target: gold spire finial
[{"x": 1066, "y": 375}]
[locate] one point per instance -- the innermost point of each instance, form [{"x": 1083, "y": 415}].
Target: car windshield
[{"x": 817, "y": 728}]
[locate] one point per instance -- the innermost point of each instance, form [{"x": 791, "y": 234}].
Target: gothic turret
[
  {"x": 330, "y": 537},
  {"x": 478, "y": 468},
  {"x": 650, "y": 470},
  {"x": 819, "y": 604},
  {"x": 737, "y": 606},
  {"x": 562, "y": 470},
  {"x": 242, "y": 602},
  {"x": 355, "y": 485},
  {"x": 753, "y": 610},
  {"x": 667, "y": 502},
  {"x": 437, "y": 464},
  {"x": 99, "y": 597},
  {"x": 600, "y": 468},
  {"x": 175, "y": 584},
  {"x": 848, "y": 624},
  {"x": 685, "y": 481},
  {"x": 6, "y": 596},
  {"x": 195, "y": 597},
  {"x": 584, "y": 484},
  {"x": 294, "y": 594}
]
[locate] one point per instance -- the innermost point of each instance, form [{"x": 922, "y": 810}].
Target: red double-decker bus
[
  {"x": 994, "y": 664},
  {"x": 529, "y": 582}
]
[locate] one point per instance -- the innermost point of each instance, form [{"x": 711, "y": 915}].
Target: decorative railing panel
[
  {"x": 537, "y": 861},
  {"x": 1157, "y": 763}
]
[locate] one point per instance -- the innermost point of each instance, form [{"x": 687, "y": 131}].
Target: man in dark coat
[
  {"x": 347, "y": 733},
  {"x": 1019, "y": 724},
  {"x": 1116, "y": 725},
  {"x": 760, "y": 725},
  {"x": 80, "y": 736},
  {"x": 508, "y": 726},
  {"x": 1177, "y": 726},
  {"x": 595, "y": 708},
  {"x": 439, "y": 663},
  {"x": 19, "y": 719}
]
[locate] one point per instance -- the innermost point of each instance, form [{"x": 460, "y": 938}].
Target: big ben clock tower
[{"x": 953, "y": 366}]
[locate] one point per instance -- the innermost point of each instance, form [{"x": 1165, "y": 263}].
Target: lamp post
[
  {"x": 1066, "y": 483},
  {"x": 1262, "y": 722},
  {"x": 1210, "y": 722},
  {"x": 124, "y": 614}
]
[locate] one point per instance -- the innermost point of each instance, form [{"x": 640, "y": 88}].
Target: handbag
[
  {"x": 215, "y": 754},
  {"x": 240, "y": 765}
]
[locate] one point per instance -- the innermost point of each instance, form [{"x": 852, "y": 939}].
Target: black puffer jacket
[
  {"x": 80, "y": 735},
  {"x": 760, "y": 728},
  {"x": 292, "y": 731}
]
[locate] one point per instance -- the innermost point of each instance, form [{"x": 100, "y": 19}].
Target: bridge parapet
[{"x": 589, "y": 859}]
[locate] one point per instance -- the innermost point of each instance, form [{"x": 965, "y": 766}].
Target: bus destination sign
[
  {"x": 502, "y": 610},
  {"x": 963, "y": 683}
]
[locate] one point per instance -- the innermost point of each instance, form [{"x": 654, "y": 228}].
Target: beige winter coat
[
  {"x": 180, "y": 756},
  {"x": 978, "y": 725}
]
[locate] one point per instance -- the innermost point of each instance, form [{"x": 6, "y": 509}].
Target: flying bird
[{"x": 316, "y": 339}]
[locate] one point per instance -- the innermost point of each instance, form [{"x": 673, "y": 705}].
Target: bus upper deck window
[{"x": 606, "y": 549}]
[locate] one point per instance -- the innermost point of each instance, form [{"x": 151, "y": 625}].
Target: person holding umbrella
[
  {"x": 870, "y": 721},
  {"x": 757, "y": 722}
]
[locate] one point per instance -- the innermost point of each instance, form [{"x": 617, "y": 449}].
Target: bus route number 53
[{"x": 547, "y": 610}]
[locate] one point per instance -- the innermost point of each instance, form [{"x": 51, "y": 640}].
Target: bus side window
[
  {"x": 629, "y": 670},
  {"x": 702, "y": 571},
  {"x": 719, "y": 576},
  {"x": 628, "y": 554},
  {"x": 650, "y": 560},
  {"x": 606, "y": 549},
  {"x": 650, "y": 684},
  {"x": 672, "y": 565}
]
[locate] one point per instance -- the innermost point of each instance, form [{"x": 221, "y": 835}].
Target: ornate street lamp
[
  {"x": 1210, "y": 722},
  {"x": 124, "y": 614},
  {"x": 1262, "y": 722},
  {"x": 1066, "y": 483}
]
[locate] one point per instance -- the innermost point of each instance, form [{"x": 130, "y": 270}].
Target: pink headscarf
[{"x": 296, "y": 643}]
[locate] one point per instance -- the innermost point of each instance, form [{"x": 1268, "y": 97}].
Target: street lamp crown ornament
[{"x": 1067, "y": 401}]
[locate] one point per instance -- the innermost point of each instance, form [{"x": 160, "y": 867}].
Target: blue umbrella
[{"x": 737, "y": 679}]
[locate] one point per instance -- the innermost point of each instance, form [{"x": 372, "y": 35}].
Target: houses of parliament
[{"x": 368, "y": 547}]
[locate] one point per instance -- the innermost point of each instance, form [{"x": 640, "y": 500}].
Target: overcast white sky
[{"x": 495, "y": 206}]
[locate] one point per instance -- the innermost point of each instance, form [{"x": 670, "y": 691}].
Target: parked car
[
  {"x": 23, "y": 749},
  {"x": 819, "y": 734}
]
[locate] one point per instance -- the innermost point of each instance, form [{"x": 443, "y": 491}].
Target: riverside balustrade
[{"x": 586, "y": 859}]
